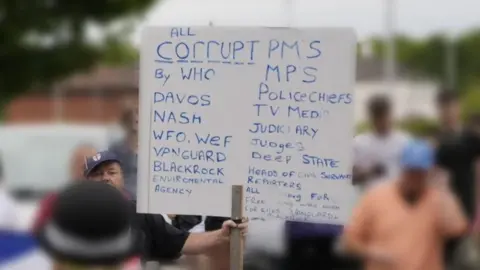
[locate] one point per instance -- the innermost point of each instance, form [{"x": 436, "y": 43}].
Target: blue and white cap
[
  {"x": 418, "y": 154},
  {"x": 93, "y": 162}
]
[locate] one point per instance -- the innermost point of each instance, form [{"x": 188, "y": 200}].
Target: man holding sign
[
  {"x": 162, "y": 240},
  {"x": 270, "y": 109}
]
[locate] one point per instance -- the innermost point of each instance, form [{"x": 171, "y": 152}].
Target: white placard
[{"x": 269, "y": 108}]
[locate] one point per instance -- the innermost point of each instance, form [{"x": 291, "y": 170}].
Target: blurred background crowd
[{"x": 69, "y": 87}]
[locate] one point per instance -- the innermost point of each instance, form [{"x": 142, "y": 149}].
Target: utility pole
[
  {"x": 450, "y": 62},
  {"x": 390, "y": 50}
]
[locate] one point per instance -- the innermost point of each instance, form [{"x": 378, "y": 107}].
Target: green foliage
[
  {"x": 417, "y": 126},
  {"x": 43, "y": 41},
  {"x": 420, "y": 126},
  {"x": 427, "y": 56},
  {"x": 118, "y": 52},
  {"x": 471, "y": 100}
]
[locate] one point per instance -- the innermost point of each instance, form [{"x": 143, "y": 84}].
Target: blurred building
[
  {"x": 97, "y": 96},
  {"x": 411, "y": 95}
]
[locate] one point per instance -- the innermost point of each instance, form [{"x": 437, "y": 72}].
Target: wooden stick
[{"x": 236, "y": 239}]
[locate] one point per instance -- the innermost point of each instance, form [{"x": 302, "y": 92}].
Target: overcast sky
[{"x": 415, "y": 17}]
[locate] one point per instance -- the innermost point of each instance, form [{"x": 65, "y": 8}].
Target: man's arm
[
  {"x": 169, "y": 242},
  {"x": 201, "y": 243},
  {"x": 357, "y": 233},
  {"x": 453, "y": 222},
  {"x": 214, "y": 241}
]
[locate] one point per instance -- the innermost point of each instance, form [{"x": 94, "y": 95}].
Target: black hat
[{"x": 91, "y": 225}]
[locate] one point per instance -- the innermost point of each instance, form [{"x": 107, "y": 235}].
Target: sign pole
[{"x": 236, "y": 239}]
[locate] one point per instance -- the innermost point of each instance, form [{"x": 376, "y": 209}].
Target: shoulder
[
  {"x": 443, "y": 194},
  {"x": 379, "y": 191},
  {"x": 134, "y": 214},
  {"x": 441, "y": 198},
  {"x": 401, "y": 137},
  {"x": 146, "y": 219},
  {"x": 450, "y": 145},
  {"x": 438, "y": 194},
  {"x": 362, "y": 139},
  {"x": 453, "y": 140}
]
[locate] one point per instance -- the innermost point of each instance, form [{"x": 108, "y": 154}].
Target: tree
[
  {"x": 43, "y": 41},
  {"x": 427, "y": 56},
  {"x": 471, "y": 101},
  {"x": 118, "y": 52}
]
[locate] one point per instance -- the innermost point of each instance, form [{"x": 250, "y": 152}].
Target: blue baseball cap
[
  {"x": 93, "y": 162},
  {"x": 418, "y": 154}
]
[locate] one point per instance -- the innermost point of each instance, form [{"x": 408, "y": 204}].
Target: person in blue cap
[{"x": 404, "y": 224}]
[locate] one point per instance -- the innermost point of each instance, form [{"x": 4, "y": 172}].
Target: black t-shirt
[
  {"x": 163, "y": 242},
  {"x": 186, "y": 222},
  {"x": 214, "y": 223},
  {"x": 457, "y": 154}
]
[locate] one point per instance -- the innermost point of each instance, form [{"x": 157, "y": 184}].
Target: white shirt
[
  {"x": 167, "y": 219},
  {"x": 371, "y": 149},
  {"x": 8, "y": 217}
]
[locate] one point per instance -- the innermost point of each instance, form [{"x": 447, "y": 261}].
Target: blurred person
[
  {"x": 77, "y": 167},
  {"x": 432, "y": 135},
  {"x": 8, "y": 216},
  {"x": 77, "y": 161},
  {"x": 449, "y": 112},
  {"x": 458, "y": 158},
  {"x": 90, "y": 228},
  {"x": 376, "y": 156},
  {"x": 404, "y": 224},
  {"x": 164, "y": 242},
  {"x": 376, "y": 159},
  {"x": 466, "y": 251},
  {"x": 127, "y": 148},
  {"x": 377, "y": 152}
]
